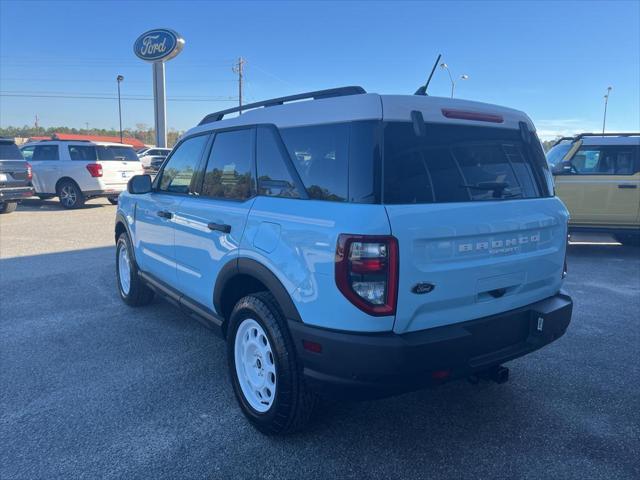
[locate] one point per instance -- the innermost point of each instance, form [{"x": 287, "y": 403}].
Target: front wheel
[
  {"x": 8, "y": 207},
  {"x": 265, "y": 371},
  {"x": 133, "y": 291}
]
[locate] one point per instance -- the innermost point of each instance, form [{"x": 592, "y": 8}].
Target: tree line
[{"x": 142, "y": 132}]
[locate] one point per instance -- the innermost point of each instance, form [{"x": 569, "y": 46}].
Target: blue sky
[{"x": 553, "y": 60}]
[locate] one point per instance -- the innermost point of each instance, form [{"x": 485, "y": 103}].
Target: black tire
[
  {"x": 293, "y": 403},
  {"x": 629, "y": 239},
  {"x": 139, "y": 293},
  {"x": 70, "y": 195},
  {"x": 8, "y": 207},
  {"x": 113, "y": 200}
]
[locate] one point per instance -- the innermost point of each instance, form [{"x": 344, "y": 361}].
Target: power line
[{"x": 97, "y": 97}]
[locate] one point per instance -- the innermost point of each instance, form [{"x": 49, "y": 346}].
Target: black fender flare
[
  {"x": 120, "y": 219},
  {"x": 253, "y": 268}
]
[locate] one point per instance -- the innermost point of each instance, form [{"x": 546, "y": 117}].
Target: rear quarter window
[{"x": 320, "y": 155}]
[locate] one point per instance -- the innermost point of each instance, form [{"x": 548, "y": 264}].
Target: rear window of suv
[
  {"x": 459, "y": 163},
  {"x": 9, "y": 151}
]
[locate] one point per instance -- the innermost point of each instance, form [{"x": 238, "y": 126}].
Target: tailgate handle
[
  {"x": 220, "y": 227},
  {"x": 498, "y": 292},
  {"x": 627, "y": 185}
]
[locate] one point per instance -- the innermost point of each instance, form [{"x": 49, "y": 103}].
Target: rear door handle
[
  {"x": 165, "y": 214},
  {"x": 220, "y": 227},
  {"x": 627, "y": 185}
]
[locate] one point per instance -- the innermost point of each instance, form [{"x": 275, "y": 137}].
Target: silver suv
[{"x": 76, "y": 170}]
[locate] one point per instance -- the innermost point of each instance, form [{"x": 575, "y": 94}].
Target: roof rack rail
[
  {"x": 318, "y": 94},
  {"x": 577, "y": 137}
]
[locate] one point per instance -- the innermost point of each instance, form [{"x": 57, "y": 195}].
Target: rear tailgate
[
  {"x": 481, "y": 258},
  {"x": 13, "y": 174},
  {"x": 116, "y": 172},
  {"x": 469, "y": 197}
]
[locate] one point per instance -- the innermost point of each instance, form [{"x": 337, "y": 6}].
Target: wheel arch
[
  {"x": 65, "y": 179},
  {"x": 244, "y": 276},
  {"x": 121, "y": 227}
]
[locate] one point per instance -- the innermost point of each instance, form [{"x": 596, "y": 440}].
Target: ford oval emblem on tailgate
[{"x": 423, "y": 287}]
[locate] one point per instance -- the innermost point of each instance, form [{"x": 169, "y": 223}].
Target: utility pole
[
  {"x": 36, "y": 124},
  {"x": 606, "y": 101},
  {"x": 86, "y": 125},
  {"x": 119, "y": 79},
  {"x": 239, "y": 69}
]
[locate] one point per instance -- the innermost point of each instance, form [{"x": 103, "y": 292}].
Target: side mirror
[
  {"x": 563, "y": 168},
  {"x": 139, "y": 184}
]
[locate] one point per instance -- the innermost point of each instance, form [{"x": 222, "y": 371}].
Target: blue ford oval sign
[{"x": 158, "y": 45}]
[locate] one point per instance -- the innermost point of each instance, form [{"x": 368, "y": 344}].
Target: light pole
[
  {"x": 119, "y": 79},
  {"x": 444, "y": 66},
  {"x": 606, "y": 101}
]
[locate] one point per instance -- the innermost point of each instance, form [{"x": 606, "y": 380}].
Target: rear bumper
[
  {"x": 16, "y": 193},
  {"x": 377, "y": 365}
]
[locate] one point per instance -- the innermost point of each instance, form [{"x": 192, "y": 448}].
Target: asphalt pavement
[{"x": 90, "y": 388}]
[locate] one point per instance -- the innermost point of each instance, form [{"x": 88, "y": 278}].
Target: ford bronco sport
[
  {"x": 598, "y": 179},
  {"x": 353, "y": 244}
]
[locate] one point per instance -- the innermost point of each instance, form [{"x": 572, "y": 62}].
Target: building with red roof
[{"x": 134, "y": 142}]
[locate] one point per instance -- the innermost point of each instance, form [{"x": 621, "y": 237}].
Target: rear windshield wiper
[{"x": 500, "y": 189}]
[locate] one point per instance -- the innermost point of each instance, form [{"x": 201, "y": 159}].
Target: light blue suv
[{"x": 352, "y": 244}]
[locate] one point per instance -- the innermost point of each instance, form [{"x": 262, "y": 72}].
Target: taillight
[
  {"x": 29, "y": 171},
  {"x": 367, "y": 272},
  {"x": 95, "y": 169}
]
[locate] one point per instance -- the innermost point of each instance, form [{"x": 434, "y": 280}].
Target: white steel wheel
[
  {"x": 255, "y": 365},
  {"x": 124, "y": 270}
]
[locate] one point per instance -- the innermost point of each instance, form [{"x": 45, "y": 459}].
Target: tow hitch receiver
[{"x": 498, "y": 374}]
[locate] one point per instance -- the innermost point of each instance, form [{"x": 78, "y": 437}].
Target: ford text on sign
[{"x": 158, "y": 45}]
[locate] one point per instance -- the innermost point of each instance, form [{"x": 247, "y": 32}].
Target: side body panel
[
  {"x": 601, "y": 200},
  {"x": 201, "y": 251},
  {"x": 296, "y": 240},
  {"x": 154, "y": 235}
]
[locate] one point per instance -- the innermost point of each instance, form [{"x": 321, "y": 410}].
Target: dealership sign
[{"x": 158, "y": 45}]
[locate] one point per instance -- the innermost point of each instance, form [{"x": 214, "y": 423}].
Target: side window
[
  {"x": 27, "y": 153},
  {"x": 230, "y": 166},
  {"x": 82, "y": 152},
  {"x": 179, "y": 172},
  {"x": 622, "y": 160},
  {"x": 274, "y": 178},
  {"x": 46, "y": 152},
  {"x": 320, "y": 153}
]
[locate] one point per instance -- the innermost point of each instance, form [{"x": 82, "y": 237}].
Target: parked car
[
  {"x": 156, "y": 163},
  {"x": 598, "y": 179},
  {"x": 151, "y": 154},
  {"x": 77, "y": 170},
  {"x": 15, "y": 176},
  {"x": 355, "y": 245}
]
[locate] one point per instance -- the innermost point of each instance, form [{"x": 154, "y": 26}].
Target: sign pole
[{"x": 160, "y": 104}]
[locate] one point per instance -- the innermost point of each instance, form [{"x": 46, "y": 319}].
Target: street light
[
  {"x": 444, "y": 66},
  {"x": 606, "y": 101},
  {"x": 119, "y": 79}
]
